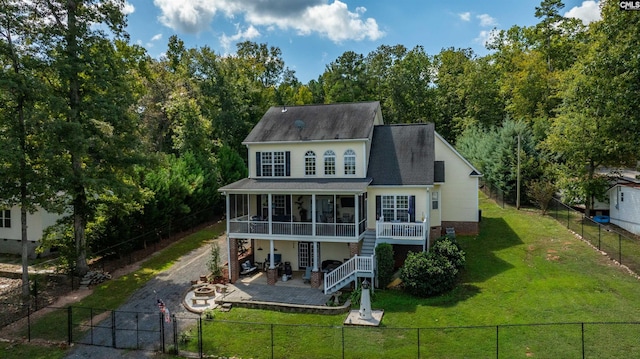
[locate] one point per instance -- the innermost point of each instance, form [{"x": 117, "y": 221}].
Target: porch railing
[
  {"x": 244, "y": 225},
  {"x": 357, "y": 266},
  {"x": 401, "y": 230}
]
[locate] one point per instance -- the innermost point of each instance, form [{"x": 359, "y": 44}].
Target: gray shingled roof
[
  {"x": 286, "y": 185},
  {"x": 315, "y": 123},
  {"x": 402, "y": 155}
]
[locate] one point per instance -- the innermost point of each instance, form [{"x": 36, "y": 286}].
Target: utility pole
[{"x": 518, "y": 177}]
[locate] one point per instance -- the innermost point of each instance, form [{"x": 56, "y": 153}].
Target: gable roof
[
  {"x": 402, "y": 155},
  {"x": 315, "y": 123}
]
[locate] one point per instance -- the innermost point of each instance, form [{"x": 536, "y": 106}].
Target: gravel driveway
[{"x": 141, "y": 312}]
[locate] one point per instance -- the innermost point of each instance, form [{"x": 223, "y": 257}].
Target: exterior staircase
[
  {"x": 363, "y": 265},
  {"x": 368, "y": 243}
]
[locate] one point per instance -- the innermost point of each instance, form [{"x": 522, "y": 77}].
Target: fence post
[
  {"x": 29, "y": 322},
  {"x": 582, "y": 340},
  {"x": 418, "y": 343},
  {"x": 175, "y": 335},
  {"x": 272, "y": 344},
  {"x": 200, "y": 344},
  {"x": 69, "y": 325},
  {"x": 160, "y": 316},
  {"x": 619, "y": 248},
  {"x": 113, "y": 328},
  {"x": 497, "y": 342}
]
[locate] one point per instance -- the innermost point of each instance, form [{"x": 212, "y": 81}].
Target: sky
[{"x": 313, "y": 33}]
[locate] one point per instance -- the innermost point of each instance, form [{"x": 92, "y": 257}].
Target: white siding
[
  {"x": 625, "y": 208},
  {"x": 459, "y": 192},
  {"x": 298, "y": 151}
]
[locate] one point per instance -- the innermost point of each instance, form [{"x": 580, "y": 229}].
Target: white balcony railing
[
  {"x": 244, "y": 225},
  {"x": 402, "y": 230}
]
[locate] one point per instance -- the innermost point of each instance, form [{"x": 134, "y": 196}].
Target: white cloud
[
  {"x": 486, "y": 20},
  {"x": 156, "y": 37},
  {"x": 249, "y": 34},
  {"x": 465, "y": 16},
  {"x": 189, "y": 16},
  {"x": 333, "y": 20},
  {"x": 588, "y": 12},
  {"x": 128, "y": 8},
  {"x": 485, "y": 37}
]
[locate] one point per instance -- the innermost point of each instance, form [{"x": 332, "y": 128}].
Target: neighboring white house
[
  {"x": 11, "y": 231},
  {"x": 329, "y": 182},
  {"x": 624, "y": 202}
]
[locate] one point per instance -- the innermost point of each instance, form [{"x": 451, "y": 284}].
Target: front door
[{"x": 305, "y": 255}]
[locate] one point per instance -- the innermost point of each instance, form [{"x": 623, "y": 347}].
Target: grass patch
[
  {"x": 31, "y": 351},
  {"x": 112, "y": 294},
  {"x": 522, "y": 269}
]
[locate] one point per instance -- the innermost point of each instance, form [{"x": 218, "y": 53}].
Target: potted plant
[{"x": 301, "y": 210}]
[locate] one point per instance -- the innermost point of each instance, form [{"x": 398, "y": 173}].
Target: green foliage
[
  {"x": 386, "y": 262},
  {"x": 427, "y": 274},
  {"x": 495, "y": 154},
  {"x": 541, "y": 193},
  {"x": 215, "y": 261}
]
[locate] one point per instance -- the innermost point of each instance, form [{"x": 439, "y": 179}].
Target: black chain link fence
[
  {"x": 48, "y": 285},
  {"x": 619, "y": 246},
  {"x": 196, "y": 336}
]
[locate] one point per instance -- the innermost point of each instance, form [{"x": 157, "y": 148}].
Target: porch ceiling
[{"x": 301, "y": 185}]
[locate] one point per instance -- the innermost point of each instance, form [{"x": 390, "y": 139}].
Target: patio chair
[
  {"x": 307, "y": 275},
  {"x": 247, "y": 268}
]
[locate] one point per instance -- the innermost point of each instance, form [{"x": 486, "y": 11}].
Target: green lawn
[{"x": 522, "y": 269}]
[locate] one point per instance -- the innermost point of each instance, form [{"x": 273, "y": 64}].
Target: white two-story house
[{"x": 327, "y": 183}]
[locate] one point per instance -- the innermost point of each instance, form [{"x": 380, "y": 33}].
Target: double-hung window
[
  {"x": 329, "y": 163},
  {"x": 273, "y": 164},
  {"x": 395, "y": 208},
  {"x": 5, "y": 218},
  {"x": 349, "y": 162},
  {"x": 310, "y": 163}
]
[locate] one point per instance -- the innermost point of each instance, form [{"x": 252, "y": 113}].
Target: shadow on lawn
[
  {"x": 482, "y": 264},
  {"x": 482, "y": 261}
]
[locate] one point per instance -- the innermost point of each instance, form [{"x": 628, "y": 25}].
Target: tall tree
[
  {"x": 22, "y": 146},
  {"x": 599, "y": 119},
  {"x": 345, "y": 79},
  {"x": 92, "y": 102}
]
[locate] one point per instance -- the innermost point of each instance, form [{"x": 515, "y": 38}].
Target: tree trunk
[
  {"x": 79, "y": 225},
  {"x": 80, "y": 199}
]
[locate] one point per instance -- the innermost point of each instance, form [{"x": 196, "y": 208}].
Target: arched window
[
  {"x": 310, "y": 163},
  {"x": 329, "y": 163},
  {"x": 349, "y": 162}
]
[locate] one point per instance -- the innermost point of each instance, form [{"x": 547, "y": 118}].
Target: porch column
[
  {"x": 313, "y": 215},
  {"x": 272, "y": 272},
  {"x": 356, "y": 216},
  {"x": 270, "y": 218},
  {"x": 233, "y": 264},
  {"x": 316, "y": 275}
]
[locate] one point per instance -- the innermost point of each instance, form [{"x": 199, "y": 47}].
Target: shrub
[
  {"x": 448, "y": 247},
  {"x": 428, "y": 274},
  {"x": 385, "y": 261}
]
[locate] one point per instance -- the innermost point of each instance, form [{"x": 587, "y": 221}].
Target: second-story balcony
[{"x": 285, "y": 226}]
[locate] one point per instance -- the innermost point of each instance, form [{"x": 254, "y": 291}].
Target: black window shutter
[
  {"x": 378, "y": 207},
  {"x": 287, "y": 159},
  {"x": 259, "y": 205},
  {"x": 412, "y": 208},
  {"x": 438, "y": 171},
  {"x": 258, "y": 167}
]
